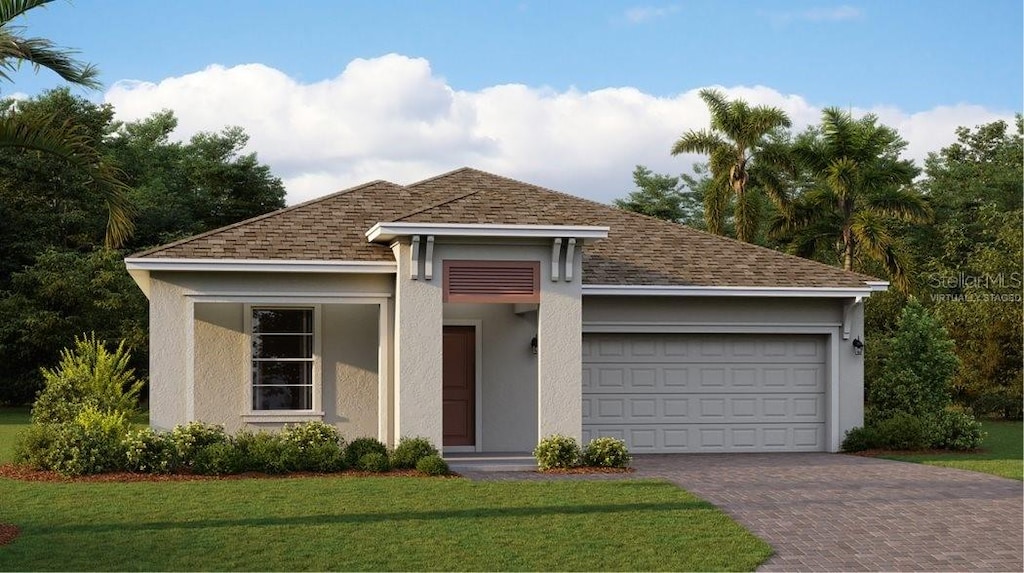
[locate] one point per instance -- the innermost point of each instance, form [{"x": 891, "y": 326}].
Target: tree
[
  {"x": 858, "y": 189},
  {"x": 657, "y": 195},
  {"x": 49, "y": 135},
  {"x": 747, "y": 153}
]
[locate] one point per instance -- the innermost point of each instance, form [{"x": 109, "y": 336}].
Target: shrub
[
  {"x": 557, "y": 451},
  {"x": 317, "y": 447},
  {"x": 266, "y": 452},
  {"x": 410, "y": 451},
  {"x": 956, "y": 429},
  {"x": 860, "y": 439},
  {"x": 902, "y": 432},
  {"x": 34, "y": 444},
  {"x": 359, "y": 447},
  {"x": 94, "y": 442},
  {"x": 88, "y": 375},
  {"x": 188, "y": 439},
  {"x": 432, "y": 465},
  {"x": 374, "y": 462},
  {"x": 916, "y": 374},
  {"x": 606, "y": 452},
  {"x": 219, "y": 458},
  {"x": 150, "y": 452}
]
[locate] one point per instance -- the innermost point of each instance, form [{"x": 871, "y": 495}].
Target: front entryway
[{"x": 458, "y": 393}]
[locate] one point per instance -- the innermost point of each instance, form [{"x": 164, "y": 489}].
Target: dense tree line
[
  {"x": 58, "y": 276},
  {"x": 948, "y": 236}
]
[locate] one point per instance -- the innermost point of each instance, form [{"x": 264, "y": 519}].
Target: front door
[{"x": 458, "y": 393}]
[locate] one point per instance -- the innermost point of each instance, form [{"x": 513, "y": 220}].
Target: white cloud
[
  {"x": 393, "y": 118},
  {"x": 641, "y": 14}
]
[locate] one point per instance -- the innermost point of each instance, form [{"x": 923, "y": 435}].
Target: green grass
[
  {"x": 12, "y": 422},
  {"x": 351, "y": 523},
  {"x": 1002, "y": 453}
]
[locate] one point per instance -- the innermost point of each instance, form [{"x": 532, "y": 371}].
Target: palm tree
[
  {"x": 60, "y": 139},
  {"x": 858, "y": 188},
  {"x": 745, "y": 154}
]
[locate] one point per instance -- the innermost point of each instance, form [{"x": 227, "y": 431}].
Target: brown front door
[{"x": 458, "y": 393}]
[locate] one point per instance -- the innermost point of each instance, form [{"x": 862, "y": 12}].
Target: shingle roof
[{"x": 639, "y": 250}]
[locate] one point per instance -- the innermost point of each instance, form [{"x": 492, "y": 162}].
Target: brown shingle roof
[{"x": 639, "y": 250}]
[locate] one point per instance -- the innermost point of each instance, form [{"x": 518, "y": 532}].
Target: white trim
[
  {"x": 383, "y": 394},
  {"x": 710, "y": 328},
  {"x": 556, "y": 253},
  {"x": 414, "y": 266},
  {"x": 878, "y": 286},
  {"x": 428, "y": 259},
  {"x": 259, "y": 265},
  {"x": 287, "y": 298},
  {"x": 730, "y": 291},
  {"x": 477, "y": 325},
  {"x": 385, "y": 231},
  {"x": 282, "y": 416},
  {"x": 570, "y": 258}
]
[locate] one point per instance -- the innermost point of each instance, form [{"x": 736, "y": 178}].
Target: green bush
[
  {"x": 410, "y": 451},
  {"x": 266, "y": 452},
  {"x": 317, "y": 447},
  {"x": 94, "y": 442},
  {"x": 432, "y": 465},
  {"x": 860, "y": 439},
  {"x": 150, "y": 452},
  {"x": 34, "y": 445},
  {"x": 606, "y": 452},
  {"x": 374, "y": 462},
  {"x": 187, "y": 440},
  {"x": 903, "y": 431},
  {"x": 956, "y": 429},
  {"x": 918, "y": 369},
  {"x": 557, "y": 451},
  {"x": 88, "y": 375},
  {"x": 359, "y": 447},
  {"x": 220, "y": 458}
]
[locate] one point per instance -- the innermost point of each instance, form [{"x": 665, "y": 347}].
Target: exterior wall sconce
[
  {"x": 533, "y": 345},
  {"x": 858, "y": 346}
]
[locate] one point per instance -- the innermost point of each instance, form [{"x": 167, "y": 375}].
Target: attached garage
[{"x": 707, "y": 392}]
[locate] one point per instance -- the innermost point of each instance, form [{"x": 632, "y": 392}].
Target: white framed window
[{"x": 285, "y": 358}]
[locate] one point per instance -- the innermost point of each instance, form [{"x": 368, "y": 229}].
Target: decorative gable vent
[{"x": 492, "y": 281}]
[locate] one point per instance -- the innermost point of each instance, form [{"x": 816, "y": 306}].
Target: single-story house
[{"x": 485, "y": 313}]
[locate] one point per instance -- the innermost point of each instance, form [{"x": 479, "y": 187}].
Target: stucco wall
[
  {"x": 223, "y": 370},
  {"x": 508, "y": 368},
  {"x": 350, "y": 368},
  {"x": 169, "y": 326}
]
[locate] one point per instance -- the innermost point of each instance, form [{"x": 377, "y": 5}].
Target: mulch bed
[
  {"x": 25, "y": 473},
  {"x": 8, "y": 533},
  {"x": 587, "y": 470}
]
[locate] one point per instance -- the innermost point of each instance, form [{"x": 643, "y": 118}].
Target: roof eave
[
  {"x": 728, "y": 291},
  {"x": 384, "y": 232}
]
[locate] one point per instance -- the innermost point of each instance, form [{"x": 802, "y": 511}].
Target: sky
[{"x": 566, "y": 94}]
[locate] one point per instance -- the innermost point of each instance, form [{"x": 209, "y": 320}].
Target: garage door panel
[
  {"x": 706, "y": 393},
  {"x": 703, "y": 377},
  {"x": 706, "y": 408},
  {"x": 710, "y": 438}
]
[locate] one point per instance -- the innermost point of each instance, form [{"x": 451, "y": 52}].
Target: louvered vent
[{"x": 492, "y": 281}]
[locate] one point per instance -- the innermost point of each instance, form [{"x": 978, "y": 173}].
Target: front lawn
[
  {"x": 12, "y": 422},
  {"x": 1002, "y": 453},
  {"x": 345, "y": 523}
]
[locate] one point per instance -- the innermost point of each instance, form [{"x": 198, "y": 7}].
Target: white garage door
[{"x": 706, "y": 393}]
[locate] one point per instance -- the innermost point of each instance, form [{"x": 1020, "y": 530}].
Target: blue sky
[{"x": 911, "y": 61}]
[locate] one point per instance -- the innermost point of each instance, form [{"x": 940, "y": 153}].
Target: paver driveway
[{"x": 831, "y": 512}]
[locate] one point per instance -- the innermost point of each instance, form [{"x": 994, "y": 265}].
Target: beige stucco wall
[
  {"x": 349, "y": 347},
  {"x": 508, "y": 368},
  {"x": 731, "y": 314}
]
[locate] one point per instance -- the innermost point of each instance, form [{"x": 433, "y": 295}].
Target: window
[{"x": 282, "y": 358}]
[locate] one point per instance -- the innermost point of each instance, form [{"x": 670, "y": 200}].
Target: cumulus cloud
[{"x": 393, "y": 118}]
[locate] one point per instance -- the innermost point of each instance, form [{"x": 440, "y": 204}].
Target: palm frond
[
  {"x": 11, "y": 9},
  {"x": 902, "y": 203},
  {"x": 41, "y": 53},
  {"x": 716, "y": 198},
  {"x": 698, "y": 141}
]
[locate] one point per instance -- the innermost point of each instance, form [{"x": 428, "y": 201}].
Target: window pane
[
  {"x": 282, "y": 398},
  {"x": 282, "y": 346},
  {"x": 282, "y": 373},
  {"x": 282, "y": 320}
]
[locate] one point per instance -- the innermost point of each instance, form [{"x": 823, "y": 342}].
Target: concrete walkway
[{"x": 831, "y": 512}]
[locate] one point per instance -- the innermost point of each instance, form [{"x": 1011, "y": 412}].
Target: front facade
[{"x": 485, "y": 313}]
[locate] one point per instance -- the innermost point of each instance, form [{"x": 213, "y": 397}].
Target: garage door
[{"x": 706, "y": 393}]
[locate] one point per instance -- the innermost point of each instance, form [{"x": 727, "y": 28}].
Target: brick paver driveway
[{"x": 829, "y": 512}]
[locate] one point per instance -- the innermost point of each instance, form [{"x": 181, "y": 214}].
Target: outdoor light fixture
[
  {"x": 533, "y": 345},
  {"x": 858, "y": 346}
]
